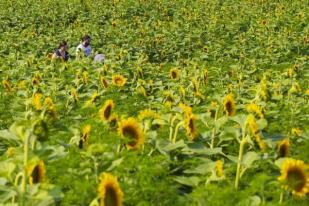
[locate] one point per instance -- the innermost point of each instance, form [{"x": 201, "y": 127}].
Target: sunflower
[
  {"x": 195, "y": 83},
  {"x": 187, "y": 110},
  {"x": 254, "y": 108},
  {"x": 260, "y": 142},
  {"x": 85, "y": 77},
  {"x": 131, "y": 130},
  {"x": 219, "y": 168},
  {"x": 6, "y": 85},
  {"x": 263, "y": 93},
  {"x": 294, "y": 177},
  {"x": 148, "y": 113},
  {"x": 36, "y": 172},
  {"x": 251, "y": 123},
  {"x": 103, "y": 82},
  {"x": 174, "y": 73},
  {"x": 85, "y": 133},
  {"x": 36, "y": 101},
  {"x": 229, "y": 105},
  {"x": 110, "y": 193},
  {"x": 92, "y": 99},
  {"x": 182, "y": 91},
  {"x": 283, "y": 148},
  {"x": 113, "y": 121},
  {"x": 74, "y": 94},
  {"x": 296, "y": 132},
  {"x": 119, "y": 80},
  {"x": 106, "y": 111},
  {"x": 190, "y": 127},
  {"x": 205, "y": 76},
  {"x": 35, "y": 81}
]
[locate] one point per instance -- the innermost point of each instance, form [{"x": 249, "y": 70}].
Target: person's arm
[{"x": 54, "y": 56}]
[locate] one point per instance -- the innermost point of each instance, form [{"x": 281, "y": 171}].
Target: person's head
[
  {"x": 63, "y": 45},
  {"x": 86, "y": 40}
]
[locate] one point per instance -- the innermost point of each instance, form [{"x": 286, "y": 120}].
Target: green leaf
[
  {"x": 115, "y": 163},
  {"x": 6, "y": 169},
  {"x": 189, "y": 181},
  {"x": 249, "y": 158}
]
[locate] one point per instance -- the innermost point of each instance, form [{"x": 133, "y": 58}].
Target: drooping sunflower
[
  {"x": 132, "y": 132},
  {"x": 187, "y": 110},
  {"x": 190, "y": 126},
  {"x": 6, "y": 85},
  {"x": 205, "y": 76},
  {"x": 229, "y": 105},
  {"x": 283, "y": 148},
  {"x": 36, "y": 101},
  {"x": 254, "y": 108},
  {"x": 74, "y": 94},
  {"x": 251, "y": 123},
  {"x": 174, "y": 73},
  {"x": 103, "y": 82},
  {"x": 219, "y": 168},
  {"x": 110, "y": 193},
  {"x": 106, "y": 111},
  {"x": 119, "y": 80},
  {"x": 85, "y": 133},
  {"x": 296, "y": 132},
  {"x": 148, "y": 113},
  {"x": 92, "y": 99},
  {"x": 36, "y": 172},
  {"x": 294, "y": 177}
]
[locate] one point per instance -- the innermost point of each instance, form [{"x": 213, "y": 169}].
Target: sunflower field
[{"x": 198, "y": 103}]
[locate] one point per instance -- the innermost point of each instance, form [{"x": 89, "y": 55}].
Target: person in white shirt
[{"x": 84, "y": 46}]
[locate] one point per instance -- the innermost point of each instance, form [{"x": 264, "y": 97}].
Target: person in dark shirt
[{"x": 61, "y": 52}]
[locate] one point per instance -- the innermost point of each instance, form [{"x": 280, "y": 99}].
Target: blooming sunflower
[
  {"x": 36, "y": 172},
  {"x": 110, "y": 193},
  {"x": 283, "y": 148},
  {"x": 103, "y": 82},
  {"x": 119, "y": 80},
  {"x": 229, "y": 105},
  {"x": 106, "y": 111},
  {"x": 294, "y": 177},
  {"x": 174, "y": 73},
  {"x": 131, "y": 130},
  {"x": 190, "y": 127},
  {"x": 35, "y": 81}
]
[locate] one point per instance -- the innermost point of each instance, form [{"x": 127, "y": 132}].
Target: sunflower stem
[
  {"x": 176, "y": 130},
  {"x": 281, "y": 198},
  {"x": 172, "y": 120},
  {"x": 240, "y": 155},
  {"x": 18, "y": 176},
  {"x": 214, "y": 130},
  {"x": 24, "y": 179},
  {"x": 239, "y": 162}
]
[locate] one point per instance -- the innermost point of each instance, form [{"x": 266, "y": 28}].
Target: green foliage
[{"x": 257, "y": 51}]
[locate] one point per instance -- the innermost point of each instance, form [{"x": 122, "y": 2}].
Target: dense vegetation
[{"x": 198, "y": 103}]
